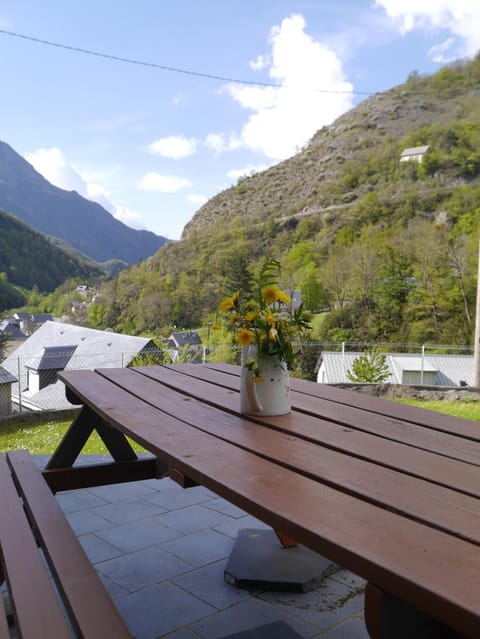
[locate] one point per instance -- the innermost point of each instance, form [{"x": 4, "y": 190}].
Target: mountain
[
  {"x": 30, "y": 260},
  {"x": 390, "y": 247},
  {"x": 66, "y": 215},
  {"x": 358, "y": 154}
]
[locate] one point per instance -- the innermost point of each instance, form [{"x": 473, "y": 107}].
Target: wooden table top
[{"x": 389, "y": 491}]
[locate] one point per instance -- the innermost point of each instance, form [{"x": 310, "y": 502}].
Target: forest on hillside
[
  {"x": 30, "y": 261},
  {"x": 390, "y": 248}
]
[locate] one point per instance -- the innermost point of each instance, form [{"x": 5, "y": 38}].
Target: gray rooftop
[
  {"x": 449, "y": 370},
  {"x": 161, "y": 552},
  {"x": 414, "y": 150},
  {"x": 76, "y": 347},
  {"x": 6, "y": 377}
]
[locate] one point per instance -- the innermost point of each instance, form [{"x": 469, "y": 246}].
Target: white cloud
[
  {"x": 283, "y": 119},
  {"x": 218, "y": 143},
  {"x": 128, "y": 217},
  {"x": 197, "y": 199},
  {"x": 174, "y": 146},
  {"x": 164, "y": 183},
  {"x": 53, "y": 165},
  {"x": 247, "y": 171},
  {"x": 459, "y": 17}
]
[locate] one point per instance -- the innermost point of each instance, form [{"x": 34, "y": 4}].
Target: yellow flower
[
  {"x": 245, "y": 336},
  {"x": 216, "y": 327},
  {"x": 273, "y": 334},
  {"x": 251, "y": 315},
  {"x": 234, "y": 317},
  {"x": 283, "y": 297},
  {"x": 270, "y": 293},
  {"x": 270, "y": 319},
  {"x": 227, "y": 304}
]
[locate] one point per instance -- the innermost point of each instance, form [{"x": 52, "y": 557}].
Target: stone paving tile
[
  {"x": 353, "y": 628},
  {"x": 74, "y": 500},
  {"x": 324, "y": 607},
  {"x": 176, "y": 499},
  {"x": 208, "y": 583},
  {"x": 85, "y": 521},
  {"x": 182, "y": 634},
  {"x": 124, "y": 511},
  {"x": 142, "y": 568},
  {"x": 223, "y": 506},
  {"x": 132, "y": 489},
  {"x": 232, "y": 526},
  {"x": 97, "y": 549},
  {"x": 149, "y": 620},
  {"x": 138, "y": 534},
  {"x": 192, "y": 519},
  {"x": 245, "y": 615},
  {"x": 161, "y": 552},
  {"x": 200, "y": 548},
  {"x": 114, "y": 590}
]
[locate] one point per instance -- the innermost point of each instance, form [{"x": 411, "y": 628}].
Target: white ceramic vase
[{"x": 270, "y": 396}]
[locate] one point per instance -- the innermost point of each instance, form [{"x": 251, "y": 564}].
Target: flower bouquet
[{"x": 266, "y": 325}]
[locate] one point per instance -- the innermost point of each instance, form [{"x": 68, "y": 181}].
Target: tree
[{"x": 371, "y": 367}]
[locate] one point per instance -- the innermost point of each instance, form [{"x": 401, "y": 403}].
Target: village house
[
  {"x": 405, "y": 368},
  {"x": 414, "y": 153},
  {"x": 187, "y": 343},
  {"x": 29, "y": 322},
  {"x": 6, "y": 381},
  {"x": 56, "y": 346}
]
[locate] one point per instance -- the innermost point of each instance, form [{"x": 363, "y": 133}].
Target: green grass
[
  {"x": 466, "y": 409},
  {"x": 43, "y": 439}
]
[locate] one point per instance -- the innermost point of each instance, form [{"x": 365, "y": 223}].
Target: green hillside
[
  {"x": 389, "y": 247},
  {"x": 30, "y": 260}
]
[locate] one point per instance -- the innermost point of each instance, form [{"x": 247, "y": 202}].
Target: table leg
[
  {"x": 387, "y": 617},
  {"x": 61, "y": 474}
]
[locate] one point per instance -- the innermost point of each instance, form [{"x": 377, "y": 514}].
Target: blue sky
[{"x": 152, "y": 144}]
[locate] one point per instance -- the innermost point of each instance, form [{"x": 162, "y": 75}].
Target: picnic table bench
[
  {"x": 390, "y": 492},
  {"x": 53, "y": 588}
]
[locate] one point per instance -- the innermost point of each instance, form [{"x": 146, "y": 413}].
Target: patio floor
[{"x": 161, "y": 552}]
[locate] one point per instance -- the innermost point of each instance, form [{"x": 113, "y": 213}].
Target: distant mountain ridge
[
  {"x": 66, "y": 215},
  {"x": 29, "y": 260}
]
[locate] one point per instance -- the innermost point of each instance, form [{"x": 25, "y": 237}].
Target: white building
[
  {"x": 405, "y": 368},
  {"x": 414, "y": 153}
]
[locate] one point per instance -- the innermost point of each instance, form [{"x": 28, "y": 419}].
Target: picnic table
[{"x": 389, "y": 491}]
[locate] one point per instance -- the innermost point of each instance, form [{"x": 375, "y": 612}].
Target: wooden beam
[{"x": 70, "y": 478}]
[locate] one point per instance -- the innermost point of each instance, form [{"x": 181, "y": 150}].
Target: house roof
[
  {"x": 53, "y": 358},
  {"x": 11, "y": 329},
  {"x": 414, "y": 150},
  {"x": 6, "y": 377},
  {"x": 449, "y": 370},
  {"x": 92, "y": 349},
  {"x": 186, "y": 337},
  {"x": 41, "y": 317}
]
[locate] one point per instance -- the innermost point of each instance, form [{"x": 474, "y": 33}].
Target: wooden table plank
[
  {"x": 381, "y": 425},
  {"x": 430, "y": 419},
  {"x": 409, "y": 559},
  {"x": 442, "y": 470},
  {"x": 440, "y": 507}
]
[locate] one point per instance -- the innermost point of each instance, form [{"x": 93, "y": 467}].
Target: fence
[{"x": 37, "y": 388}]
